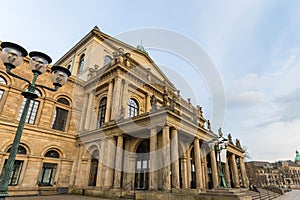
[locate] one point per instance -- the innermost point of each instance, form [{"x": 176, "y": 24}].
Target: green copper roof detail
[
  {"x": 140, "y": 47},
  {"x": 297, "y": 158}
]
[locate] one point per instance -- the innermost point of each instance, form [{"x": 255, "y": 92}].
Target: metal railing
[{"x": 124, "y": 187}]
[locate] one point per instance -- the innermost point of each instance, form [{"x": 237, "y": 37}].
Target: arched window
[
  {"x": 107, "y": 60},
  {"x": 33, "y": 109},
  {"x": 3, "y": 82},
  {"x": 101, "y": 112},
  {"x": 133, "y": 108},
  {"x": 63, "y": 101},
  {"x": 61, "y": 115},
  {"x": 21, "y": 150},
  {"x": 52, "y": 154},
  {"x": 94, "y": 168},
  {"x": 81, "y": 63}
]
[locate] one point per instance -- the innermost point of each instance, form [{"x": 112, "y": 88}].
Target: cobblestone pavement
[
  {"x": 57, "y": 197},
  {"x": 293, "y": 195}
]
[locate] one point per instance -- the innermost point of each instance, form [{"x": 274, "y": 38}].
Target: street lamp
[
  {"x": 12, "y": 56},
  {"x": 220, "y": 144}
]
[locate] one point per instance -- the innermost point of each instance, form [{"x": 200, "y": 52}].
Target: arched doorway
[
  {"x": 142, "y": 166},
  {"x": 94, "y": 168}
]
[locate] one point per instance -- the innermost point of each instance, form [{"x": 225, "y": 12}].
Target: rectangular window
[
  {"x": 16, "y": 172},
  {"x": 32, "y": 111},
  {"x": 47, "y": 174},
  {"x": 60, "y": 119}
]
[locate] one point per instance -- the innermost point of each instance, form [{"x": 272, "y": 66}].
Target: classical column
[
  {"x": 148, "y": 104},
  {"x": 99, "y": 182},
  {"x": 125, "y": 97},
  {"x": 110, "y": 162},
  {"x": 166, "y": 157},
  {"x": 77, "y": 180},
  {"x": 119, "y": 163},
  {"x": 108, "y": 102},
  {"x": 116, "y": 98},
  {"x": 184, "y": 171},
  {"x": 89, "y": 111},
  {"x": 227, "y": 174},
  {"x": 83, "y": 115},
  {"x": 205, "y": 170},
  {"x": 189, "y": 168},
  {"x": 132, "y": 161},
  {"x": 245, "y": 181},
  {"x": 153, "y": 160},
  {"x": 234, "y": 169},
  {"x": 197, "y": 156},
  {"x": 214, "y": 168},
  {"x": 175, "y": 158}
]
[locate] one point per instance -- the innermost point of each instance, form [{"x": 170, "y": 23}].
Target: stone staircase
[
  {"x": 262, "y": 194},
  {"x": 128, "y": 196}
]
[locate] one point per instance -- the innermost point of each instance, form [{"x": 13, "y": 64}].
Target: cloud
[
  {"x": 265, "y": 106},
  {"x": 289, "y": 106}
]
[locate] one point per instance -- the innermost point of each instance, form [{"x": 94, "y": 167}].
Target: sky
[{"x": 254, "y": 45}]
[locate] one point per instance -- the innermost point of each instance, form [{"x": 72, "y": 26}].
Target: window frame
[
  {"x": 101, "y": 112},
  {"x": 63, "y": 108},
  {"x": 32, "y": 116},
  {"x": 16, "y": 172},
  {"x": 81, "y": 64},
  {"x": 133, "y": 110},
  {"x": 51, "y": 178}
]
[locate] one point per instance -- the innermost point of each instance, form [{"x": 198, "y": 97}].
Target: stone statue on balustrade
[
  {"x": 153, "y": 102},
  {"x": 237, "y": 143}
]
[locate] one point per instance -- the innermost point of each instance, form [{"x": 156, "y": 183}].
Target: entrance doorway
[{"x": 142, "y": 166}]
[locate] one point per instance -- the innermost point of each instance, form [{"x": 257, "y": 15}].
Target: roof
[
  {"x": 297, "y": 158},
  {"x": 259, "y": 163},
  {"x": 109, "y": 40}
]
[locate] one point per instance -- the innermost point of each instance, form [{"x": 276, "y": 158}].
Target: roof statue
[
  {"x": 297, "y": 158},
  {"x": 208, "y": 125},
  {"x": 237, "y": 143},
  {"x": 230, "y": 138},
  {"x": 220, "y": 132},
  {"x": 140, "y": 47}
]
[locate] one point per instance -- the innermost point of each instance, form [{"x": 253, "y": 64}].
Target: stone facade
[
  {"x": 127, "y": 128},
  {"x": 283, "y": 174}
]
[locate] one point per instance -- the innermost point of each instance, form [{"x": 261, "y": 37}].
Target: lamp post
[
  {"x": 220, "y": 144},
  {"x": 12, "y": 56}
]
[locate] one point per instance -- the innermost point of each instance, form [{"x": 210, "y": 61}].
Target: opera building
[{"x": 119, "y": 127}]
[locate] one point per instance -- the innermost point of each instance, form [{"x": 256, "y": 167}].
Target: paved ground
[
  {"x": 293, "y": 195},
  {"x": 56, "y": 197}
]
